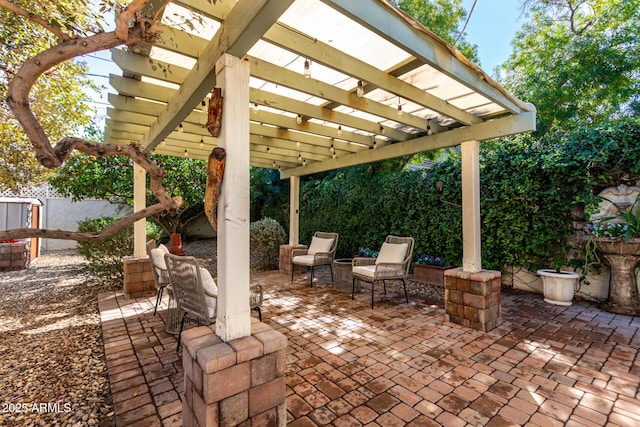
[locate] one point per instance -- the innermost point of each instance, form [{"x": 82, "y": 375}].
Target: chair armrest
[
  {"x": 389, "y": 270},
  {"x": 362, "y": 261},
  {"x": 322, "y": 257},
  {"x": 297, "y": 252},
  {"x": 163, "y": 277}
]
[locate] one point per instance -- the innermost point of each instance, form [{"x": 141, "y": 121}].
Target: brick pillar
[
  {"x": 473, "y": 299},
  {"x": 240, "y": 382},
  {"x": 138, "y": 278},
  {"x": 285, "y": 259}
]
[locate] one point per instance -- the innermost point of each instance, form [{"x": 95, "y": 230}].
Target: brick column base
[
  {"x": 240, "y": 382},
  {"x": 473, "y": 299},
  {"x": 285, "y": 259},
  {"x": 138, "y": 278},
  {"x": 14, "y": 256}
]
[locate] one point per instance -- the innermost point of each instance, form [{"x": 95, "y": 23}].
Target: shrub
[
  {"x": 266, "y": 237},
  {"x": 528, "y": 217},
  {"x": 105, "y": 257}
]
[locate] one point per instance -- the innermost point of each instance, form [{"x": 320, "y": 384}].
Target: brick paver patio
[{"x": 400, "y": 364}]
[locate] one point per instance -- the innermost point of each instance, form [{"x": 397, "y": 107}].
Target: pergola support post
[
  {"x": 471, "y": 254},
  {"x": 138, "y": 278},
  {"x": 294, "y": 211},
  {"x": 233, "y": 315},
  {"x": 139, "y": 203},
  {"x": 237, "y": 375},
  {"x": 472, "y": 295},
  {"x": 294, "y": 229}
]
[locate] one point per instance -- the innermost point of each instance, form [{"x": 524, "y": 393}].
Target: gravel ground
[{"x": 52, "y": 369}]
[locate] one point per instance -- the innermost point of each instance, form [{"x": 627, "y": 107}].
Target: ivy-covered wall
[{"x": 532, "y": 194}]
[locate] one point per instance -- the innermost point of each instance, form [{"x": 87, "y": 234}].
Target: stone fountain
[{"x": 621, "y": 255}]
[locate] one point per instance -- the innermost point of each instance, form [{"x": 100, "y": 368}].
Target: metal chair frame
[
  {"x": 320, "y": 258},
  {"x": 385, "y": 271}
]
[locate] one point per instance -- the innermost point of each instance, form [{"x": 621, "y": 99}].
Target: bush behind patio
[
  {"x": 533, "y": 194},
  {"x": 105, "y": 257},
  {"x": 266, "y": 236}
]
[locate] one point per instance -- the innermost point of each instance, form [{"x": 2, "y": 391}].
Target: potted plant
[
  {"x": 617, "y": 238},
  {"x": 430, "y": 269}
]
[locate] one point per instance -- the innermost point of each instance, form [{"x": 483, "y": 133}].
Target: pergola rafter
[{"x": 163, "y": 86}]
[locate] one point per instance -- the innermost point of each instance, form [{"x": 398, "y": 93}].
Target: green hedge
[
  {"x": 105, "y": 256},
  {"x": 532, "y": 195}
]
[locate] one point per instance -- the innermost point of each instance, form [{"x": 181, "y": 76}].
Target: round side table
[{"x": 342, "y": 277}]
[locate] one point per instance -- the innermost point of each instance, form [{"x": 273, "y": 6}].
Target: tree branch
[
  {"x": 50, "y": 157},
  {"x": 20, "y": 86},
  {"x": 109, "y": 231}
]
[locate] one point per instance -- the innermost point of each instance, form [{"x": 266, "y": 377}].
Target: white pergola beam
[
  {"x": 246, "y": 23},
  {"x": 141, "y": 65},
  {"x": 510, "y": 125},
  {"x": 392, "y": 26},
  {"x": 283, "y": 77},
  {"x": 286, "y": 122},
  {"x": 318, "y": 112},
  {"x": 322, "y": 53}
]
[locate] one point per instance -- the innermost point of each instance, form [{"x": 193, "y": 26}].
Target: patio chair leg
[
  {"x": 184, "y": 315},
  {"x": 158, "y": 299},
  {"x": 406, "y": 297},
  {"x": 353, "y": 288},
  {"x": 384, "y": 283},
  {"x": 312, "y": 276},
  {"x": 292, "y": 268},
  {"x": 331, "y": 269},
  {"x": 259, "y": 313},
  {"x": 372, "y": 288}
]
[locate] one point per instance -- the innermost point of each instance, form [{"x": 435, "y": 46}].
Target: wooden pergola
[{"x": 308, "y": 86}]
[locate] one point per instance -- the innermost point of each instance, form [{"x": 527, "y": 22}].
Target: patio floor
[{"x": 400, "y": 364}]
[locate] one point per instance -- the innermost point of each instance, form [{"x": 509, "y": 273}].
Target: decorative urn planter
[
  {"x": 430, "y": 274},
  {"x": 558, "y": 287},
  {"x": 622, "y": 257},
  {"x": 175, "y": 246}
]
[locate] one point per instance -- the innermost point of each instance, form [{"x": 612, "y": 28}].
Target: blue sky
[{"x": 492, "y": 27}]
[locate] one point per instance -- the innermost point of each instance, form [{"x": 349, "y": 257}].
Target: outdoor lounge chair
[
  {"x": 196, "y": 292},
  {"x": 321, "y": 251},
  {"x": 392, "y": 263},
  {"x": 158, "y": 268},
  {"x": 188, "y": 281}
]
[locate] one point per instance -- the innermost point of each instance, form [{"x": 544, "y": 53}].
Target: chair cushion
[
  {"x": 365, "y": 270},
  {"x": 157, "y": 257},
  {"x": 392, "y": 253},
  {"x": 210, "y": 291},
  {"x": 319, "y": 244},
  {"x": 303, "y": 260}
]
